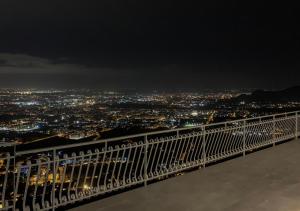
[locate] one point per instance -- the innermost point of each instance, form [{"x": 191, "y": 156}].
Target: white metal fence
[{"x": 45, "y": 179}]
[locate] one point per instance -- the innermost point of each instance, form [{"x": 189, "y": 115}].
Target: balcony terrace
[{"x": 262, "y": 181}]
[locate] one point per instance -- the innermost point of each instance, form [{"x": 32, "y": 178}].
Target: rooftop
[{"x": 265, "y": 180}]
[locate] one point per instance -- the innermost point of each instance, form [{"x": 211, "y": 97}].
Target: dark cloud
[
  {"x": 149, "y": 44},
  {"x": 26, "y": 64}
]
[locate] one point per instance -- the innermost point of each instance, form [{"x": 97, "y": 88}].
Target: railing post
[
  {"x": 15, "y": 178},
  {"x": 244, "y": 138},
  {"x": 296, "y": 125},
  {"x": 274, "y": 130},
  {"x": 54, "y": 179},
  {"x": 146, "y": 160},
  {"x": 204, "y": 146}
]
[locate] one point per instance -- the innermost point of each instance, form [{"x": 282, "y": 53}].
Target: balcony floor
[{"x": 265, "y": 180}]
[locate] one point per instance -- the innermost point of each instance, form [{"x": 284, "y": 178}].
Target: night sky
[{"x": 149, "y": 45}]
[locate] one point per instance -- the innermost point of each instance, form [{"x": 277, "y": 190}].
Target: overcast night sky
[{"x": 147, "y": 45}]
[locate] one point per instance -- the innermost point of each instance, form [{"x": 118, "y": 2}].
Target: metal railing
[{"x": 48, "y": 178}]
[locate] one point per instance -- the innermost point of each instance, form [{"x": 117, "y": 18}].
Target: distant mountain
[{"x": 289, "y": 94}]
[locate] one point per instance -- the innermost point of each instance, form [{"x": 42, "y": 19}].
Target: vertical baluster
[
  {"x": 169, "y": 158},
  {"x": 155, "y": 144},
  {"x": 150, "y": 158},
  {"x": 141, "y": 175},
  {"x": 14, "y": 177},
  {"x": 210, "y": 143},
  {"x": 63, "y": 177},
  {"x": 198, "y": 148},
  {"x": 81, "y": 155},
  {"x": 104, "y": 152},
  {"x": 146, "y": 160},
  {"x": 140, "y": 146},
  {"x": 123, "y": 147},
  {"x": 28, "y": 165},
  {"x": 36, "y": 184},
  {"x": 74, "y": 160},
  {"x": 5, "y": 179},
  {"x": 86, "y": 173},
  {"x": 229, "y": 142},
  {"x": 263, "y": 125},
  {"x": 48, "y": 162},
  {"x": 274, "y": 130},
  {"x": 161, "y": 144},
  {"x": 191, "y": 150},
  {"x": 54, "y": 180},
  {"x": 179, "y": 137},
  {"x": 95, "y": 164},
  {"x": 217, "y": 143},
  {"x": 237, "y": 145},
  {"x": 106, "y": 186},
  {"x": 133, "y": 162},
  {"x": 17, "y": 182},
  {"x": 117, "y": 148},
  {"x": 271, "y": 132},
  {"x": 211, "y": 138},
  {"x": 227, "y": 139},
  {"x": 126, "y": 166},
  {"x": 256, "y": 137},
  {"x": 204, "y": 147},
  {"x": 180, "y": 142},
  {"x": 172, "y": 158},
  {"x": 296, "y": 124},
  {"x": 249, "y": 141},
  {"x": 167, "y": 140},
  {"x": 185, "y": 151},
  {"x": 222, "y": 142},
  {"x": 184, "y": 141},
  {"x": 244, "y": 138},
  {"x": 230, "y": 147},
  {"x": 188, "y": 149}
]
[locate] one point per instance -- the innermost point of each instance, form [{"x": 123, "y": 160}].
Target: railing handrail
[{"x": 61, "y": 147}]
